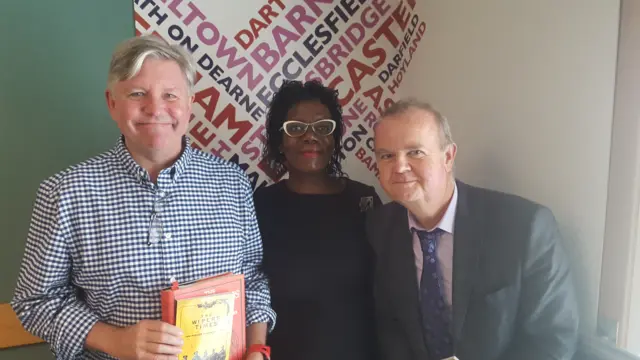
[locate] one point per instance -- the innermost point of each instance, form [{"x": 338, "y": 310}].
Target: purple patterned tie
[{"x": 436, "y": 316}]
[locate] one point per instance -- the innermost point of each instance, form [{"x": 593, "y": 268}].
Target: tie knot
[{"x": 428, "y": 239}]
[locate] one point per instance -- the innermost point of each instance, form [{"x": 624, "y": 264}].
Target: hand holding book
[
  {"x": 148, "y": 339},
  {"x": 152, "y": 337}
]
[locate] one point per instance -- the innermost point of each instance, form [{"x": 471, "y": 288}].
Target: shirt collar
[
  {"x": 447, "y": 221},
  {"x": 133, "y": 168}
]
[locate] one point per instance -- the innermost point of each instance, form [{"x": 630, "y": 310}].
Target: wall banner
[{"x": 244, "y": 49}]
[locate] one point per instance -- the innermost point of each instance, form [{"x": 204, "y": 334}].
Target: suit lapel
[
  {"x": 404, "y": 280},
  {"x": 467, "y": 239}
]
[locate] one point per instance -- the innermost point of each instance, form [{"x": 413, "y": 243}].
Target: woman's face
[{"x": 309, "y": 152}]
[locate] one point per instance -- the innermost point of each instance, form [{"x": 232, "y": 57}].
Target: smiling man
[
  {"x": 107, "y": 235},
  {"x": 461, "y": 270}
]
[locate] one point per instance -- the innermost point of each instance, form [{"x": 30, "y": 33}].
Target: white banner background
[{"x": 244, "y": 50}]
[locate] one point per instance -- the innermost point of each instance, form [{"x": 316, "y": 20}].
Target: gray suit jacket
[{"x": 512, "y": 292}]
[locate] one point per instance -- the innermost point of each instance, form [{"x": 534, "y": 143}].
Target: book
[
  {"x": 207, "y": 324},
  {"x": 227, "y": 283}
]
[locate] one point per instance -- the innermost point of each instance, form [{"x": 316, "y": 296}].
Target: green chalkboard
[{"x": 54, "y": 58}]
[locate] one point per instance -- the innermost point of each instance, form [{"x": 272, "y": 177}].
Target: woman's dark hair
[{"x": 289, "y": 95}]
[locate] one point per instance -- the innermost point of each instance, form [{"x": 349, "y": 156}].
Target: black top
[{"x": 318, "y": 263}]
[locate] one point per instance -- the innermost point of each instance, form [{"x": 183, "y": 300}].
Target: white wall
[
  {"x": 528, "y": 87},
  {"x": 620, "y": 285}
]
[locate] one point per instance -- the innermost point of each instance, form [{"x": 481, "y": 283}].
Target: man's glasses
[
  {"x": 295, "y": 128},
  {"x": 156, "y": 229}
]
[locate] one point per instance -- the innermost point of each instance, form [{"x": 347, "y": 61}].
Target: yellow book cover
[{"x": 207, "y": 323}]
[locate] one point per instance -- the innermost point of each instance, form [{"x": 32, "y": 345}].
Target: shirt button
[{"x": 167, "y": 236}]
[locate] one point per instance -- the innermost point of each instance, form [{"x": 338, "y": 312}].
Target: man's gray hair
[
  {"x": 405, "y": 105},
  {"x": 129, "y": 55}
]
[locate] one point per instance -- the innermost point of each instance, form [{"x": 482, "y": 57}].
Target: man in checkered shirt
[{"x": 107, "y": 235}]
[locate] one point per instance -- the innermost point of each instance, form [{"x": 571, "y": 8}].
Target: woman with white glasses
[{"x": 316, "y": 255}]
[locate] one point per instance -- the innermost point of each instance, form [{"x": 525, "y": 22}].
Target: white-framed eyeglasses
[
  {"x": 294, "y": 128},
  {"x": 156, "y": 228}
]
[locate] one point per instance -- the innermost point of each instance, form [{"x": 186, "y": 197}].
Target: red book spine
[{"x": 168, "y": 302}]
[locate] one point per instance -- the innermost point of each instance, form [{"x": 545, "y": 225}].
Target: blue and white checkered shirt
[{"x": 88, "y": 256}]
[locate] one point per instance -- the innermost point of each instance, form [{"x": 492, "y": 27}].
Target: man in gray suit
[{"x": 461, "y": 270}]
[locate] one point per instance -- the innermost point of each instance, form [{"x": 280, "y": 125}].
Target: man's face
[
  {"x": 413, "y": 166},
  {"x": 153, "y": 108}
]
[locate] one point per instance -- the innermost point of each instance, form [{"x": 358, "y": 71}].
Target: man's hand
[
  {"x": 150, "y": 339},
  {"x": 146, "y": 340}
]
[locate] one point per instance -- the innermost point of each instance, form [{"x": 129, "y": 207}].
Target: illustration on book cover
[{"x": 207, "y": 324}]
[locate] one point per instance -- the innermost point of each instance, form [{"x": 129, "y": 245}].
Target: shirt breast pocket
[
  {"x": 216, "y": 246},
  {"x": 111, "y": 261}
]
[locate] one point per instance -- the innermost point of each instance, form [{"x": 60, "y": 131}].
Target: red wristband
[{"x": 263, "y": 349}]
